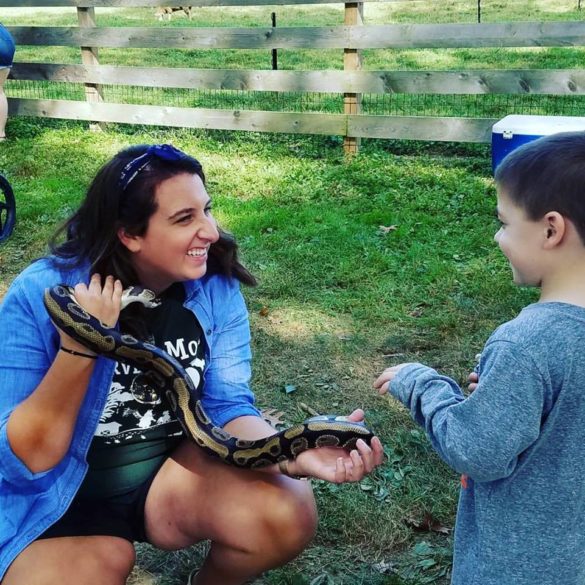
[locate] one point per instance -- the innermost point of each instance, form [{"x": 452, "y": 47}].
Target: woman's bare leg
[
  {"x": 79, "y": 560},
  {"x": 255, "y": 521}
]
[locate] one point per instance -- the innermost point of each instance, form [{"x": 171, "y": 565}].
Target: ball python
[{"x": 167, "y": 374}]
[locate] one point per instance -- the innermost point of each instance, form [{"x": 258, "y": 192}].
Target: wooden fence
[{"x": 351, "y": 37}]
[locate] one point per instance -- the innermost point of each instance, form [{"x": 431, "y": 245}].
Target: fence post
[
  {"x": 89, "y": 56},
  {"x": 352, "y": 61}
]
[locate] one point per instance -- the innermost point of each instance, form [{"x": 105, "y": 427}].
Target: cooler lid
[{"x": 539, "y": 125}]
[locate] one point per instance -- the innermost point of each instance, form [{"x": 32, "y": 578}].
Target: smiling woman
[
  {"x": 99, "y": 454},
  {"x": 179, "y": 235}
]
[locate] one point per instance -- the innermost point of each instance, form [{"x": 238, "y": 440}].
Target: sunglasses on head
[{"x": 164, "y": 152}]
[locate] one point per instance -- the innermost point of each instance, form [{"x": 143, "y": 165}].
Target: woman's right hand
[{"x": 101, "y": 302}]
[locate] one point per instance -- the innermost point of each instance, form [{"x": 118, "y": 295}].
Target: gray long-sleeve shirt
[{"x": 520, "y": 439}]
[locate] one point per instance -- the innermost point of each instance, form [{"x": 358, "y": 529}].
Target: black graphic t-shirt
[{"x": 137, "y": 429}]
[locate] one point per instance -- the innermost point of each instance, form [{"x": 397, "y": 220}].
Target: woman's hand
[
  {"x": 101, "y": 302},
  {"x": 337, "y": 465}
]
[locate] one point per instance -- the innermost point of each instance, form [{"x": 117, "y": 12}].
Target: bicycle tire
[{"x": 7, "y": 209}]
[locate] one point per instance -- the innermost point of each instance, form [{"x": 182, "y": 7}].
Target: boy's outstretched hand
[{"x": 382, "y": 384}]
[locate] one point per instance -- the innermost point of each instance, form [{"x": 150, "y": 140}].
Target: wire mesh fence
[{"x": 472, "y": 106}]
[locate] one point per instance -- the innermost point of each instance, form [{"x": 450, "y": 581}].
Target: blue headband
[{"x": 160, "y": 151}]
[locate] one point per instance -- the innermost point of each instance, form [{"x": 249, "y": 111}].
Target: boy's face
[{"x": 520, "y": 239}]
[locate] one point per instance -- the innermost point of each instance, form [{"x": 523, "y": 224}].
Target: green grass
[{"x": 340, "y": 297}]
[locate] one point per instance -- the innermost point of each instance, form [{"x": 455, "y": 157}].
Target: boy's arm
[{"x": 484, "y": 434}]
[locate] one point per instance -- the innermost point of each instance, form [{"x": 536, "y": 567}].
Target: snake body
[{"x": 167, "y": 374}]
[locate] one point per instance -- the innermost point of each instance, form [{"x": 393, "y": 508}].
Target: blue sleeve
[
  {"x": 25, "y": 361},
  {"x": 482, "y": 435},
  {"x": 226, "y": 391}
]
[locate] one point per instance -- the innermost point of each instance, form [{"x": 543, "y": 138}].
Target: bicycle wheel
[{"x": 7, "y": 209}]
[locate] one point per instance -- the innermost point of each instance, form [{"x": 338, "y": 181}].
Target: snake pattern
[{"x": 167, "y": 374}]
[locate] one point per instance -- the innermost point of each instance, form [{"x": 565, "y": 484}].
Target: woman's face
[{"x": 179, "y": 234}]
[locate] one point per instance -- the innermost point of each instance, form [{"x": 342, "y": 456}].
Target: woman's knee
[
  {"x": 79, "y": 561},
  {"x": 291, "y": 518},
  {"x": 116, "y": 556}
]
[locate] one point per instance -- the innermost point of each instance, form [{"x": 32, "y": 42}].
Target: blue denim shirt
[{"x": 31, "y": 502}]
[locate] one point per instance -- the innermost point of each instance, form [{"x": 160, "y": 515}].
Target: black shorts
[{"x": 121, "y": 516}]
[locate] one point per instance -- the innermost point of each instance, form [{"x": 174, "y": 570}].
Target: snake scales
[{"x": 185, "y": 400}]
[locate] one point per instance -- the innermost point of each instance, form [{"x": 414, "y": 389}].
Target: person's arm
[
  {"x": 40, "y": 427},
  {"x": 482, "y": 435},
  {"x": 230, "y": 403},
  {"x": 226, "y": 389}
]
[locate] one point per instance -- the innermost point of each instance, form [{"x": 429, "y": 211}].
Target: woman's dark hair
[{"x": 115, "y": 200}]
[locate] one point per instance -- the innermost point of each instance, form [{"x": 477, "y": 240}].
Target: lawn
[{"x": 362, "y": 263}]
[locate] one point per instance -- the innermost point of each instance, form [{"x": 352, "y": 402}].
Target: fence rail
[
  {"x": 350, "y": 83},
  {"x": 155, "y": 3},
  {"x": 399, "y": 36},
  {"x": 519, "y": 81}
]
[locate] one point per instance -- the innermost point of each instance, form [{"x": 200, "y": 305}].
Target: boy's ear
[
  {"x": 131, "y": 242},
  {"x": 555, "y": 226}
]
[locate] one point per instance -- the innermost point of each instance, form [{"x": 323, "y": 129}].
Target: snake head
[{"x": 138, "y": 294}]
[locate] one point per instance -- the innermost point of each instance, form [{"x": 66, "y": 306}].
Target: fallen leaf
[
  {"x": 385, "y": 229},
  {"x": 263, "y": 312},
  {"x": 288, "y": 388},
  {"x": 427, "y": 524}
]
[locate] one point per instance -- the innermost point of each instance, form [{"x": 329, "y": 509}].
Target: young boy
[{"x": 519, "y": 438}]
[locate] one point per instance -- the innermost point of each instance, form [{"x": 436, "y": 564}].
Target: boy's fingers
[
  {"x": 380, "y": 380},
  {"x": 387, "y": 375},
  {"x": 384, "y": 388}
]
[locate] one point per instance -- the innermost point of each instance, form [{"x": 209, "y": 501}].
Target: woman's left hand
[{"x": 337, "y": 465}]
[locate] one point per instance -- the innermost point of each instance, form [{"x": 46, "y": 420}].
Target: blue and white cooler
[{"x": 513, "y": 131}]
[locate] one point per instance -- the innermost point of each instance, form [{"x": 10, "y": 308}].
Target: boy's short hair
[{"x": 547, "y": 174}]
